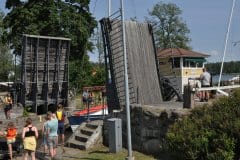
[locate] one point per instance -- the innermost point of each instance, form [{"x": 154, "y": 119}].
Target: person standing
[
  {"x": 10, "y": 133},
  {"x": 85, "y": 97},
  {"x": 61, "y": 119},
  {"x": 29, "y": 136},
  {"x": 52, "y": 137},
  {"x": 8, "y": 106},
  {"x": 205, "y": 79}
]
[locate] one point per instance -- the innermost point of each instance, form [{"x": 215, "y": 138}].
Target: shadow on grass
[
  {"x": 101, "y": 152},
  {"x": 83, "y": 158}
]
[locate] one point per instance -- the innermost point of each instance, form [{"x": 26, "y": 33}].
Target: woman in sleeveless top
[{"x": 29, "y": 136}]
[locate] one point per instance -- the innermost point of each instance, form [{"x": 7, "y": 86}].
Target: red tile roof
[{"x": 179, "y": 52}]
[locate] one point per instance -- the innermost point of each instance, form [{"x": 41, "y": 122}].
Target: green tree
[
  {"x": 228, "y": 67},
  {"x": 59, "y": 18},
  {"x": 70, "y": 19},
  {"x": 90, "y": 74},
  {"x": 80, "y": 73},
  {"x": 98, "y": 74},
  {"x": 6, "y": 61},
  {"x": 171, "y": 30}
]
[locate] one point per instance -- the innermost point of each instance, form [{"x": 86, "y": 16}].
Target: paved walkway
[
  {"x": 19, "y": 121},
  {"x": 63, "y": 153}
]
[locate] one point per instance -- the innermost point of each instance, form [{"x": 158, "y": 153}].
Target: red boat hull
[{"x": 92, "y": 110}]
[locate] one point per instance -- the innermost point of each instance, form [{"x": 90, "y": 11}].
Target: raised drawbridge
[{"x": 146, "y": 86}]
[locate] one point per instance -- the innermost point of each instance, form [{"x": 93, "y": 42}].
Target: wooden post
[{"x": 188, "y": 97}]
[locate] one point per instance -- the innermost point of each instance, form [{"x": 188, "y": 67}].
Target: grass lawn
[
  {"x": 101, "y": 153},
  {"x": 97, "y": 153}
]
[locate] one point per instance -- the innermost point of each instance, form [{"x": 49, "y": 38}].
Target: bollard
[
  {"x": 40, "y": 118},
  {"x": 115, "y": 135},
  {"x": 188, "y": 96}
]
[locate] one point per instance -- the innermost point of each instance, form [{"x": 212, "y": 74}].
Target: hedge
[{"x": 210, "y": 132}]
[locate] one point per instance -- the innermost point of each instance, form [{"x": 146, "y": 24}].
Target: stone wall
[{"x": 149, "y": 124}]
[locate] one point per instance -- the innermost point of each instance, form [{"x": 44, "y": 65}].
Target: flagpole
[
  {"x": 109, "y": 8},
  {"x": 130, "y": 156}
]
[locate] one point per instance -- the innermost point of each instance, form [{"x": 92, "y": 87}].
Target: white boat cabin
[{"x": 180, "y": 65}]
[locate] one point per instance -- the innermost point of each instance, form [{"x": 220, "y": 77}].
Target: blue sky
[{"x": 207, "y": 21}]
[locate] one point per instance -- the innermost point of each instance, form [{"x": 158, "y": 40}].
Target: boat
[
  {"x": 93, "y": 113},
  {"x": 235, "y": 79}
]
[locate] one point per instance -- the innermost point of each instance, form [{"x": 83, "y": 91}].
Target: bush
[
  {"x": 210, "y": 132},
  {"x": 26, "y": 111}
]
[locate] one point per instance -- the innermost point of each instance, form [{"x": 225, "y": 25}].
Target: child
[
  {"x": 10, "y": 133},
  {"x": 61, "y": 118}
]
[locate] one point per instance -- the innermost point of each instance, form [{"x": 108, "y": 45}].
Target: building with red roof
[{"x": 180, "y": 65}]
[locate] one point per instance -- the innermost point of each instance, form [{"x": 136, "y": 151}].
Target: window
[
  {"x": 175, "y": 62},
  {"x": 193, "y": 62}
]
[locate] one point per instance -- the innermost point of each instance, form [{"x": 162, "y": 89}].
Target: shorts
[
  {"x": 60, "y": 128},
  {"x": 7, "y": 108},
  {"x": 84, "y": 100},
  {"x": 11, "y": 141},
  {"x": 52, "y": 141},
  {"x": 44, "y": 140}
]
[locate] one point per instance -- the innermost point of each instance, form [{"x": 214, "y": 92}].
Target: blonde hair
[{"x": 49, "y": 115}]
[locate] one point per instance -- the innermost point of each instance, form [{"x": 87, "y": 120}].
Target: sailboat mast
[{"x": 226, "y": 41}]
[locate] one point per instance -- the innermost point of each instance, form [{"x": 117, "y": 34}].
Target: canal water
[{"x": 225, "y": 77}]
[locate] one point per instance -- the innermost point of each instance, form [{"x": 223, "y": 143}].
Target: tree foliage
[
  {"x": 90, "y": 74},
  {"x": 171, "y": 31},
  {"x": 228, "y": 67},
  {"x": 69, "y": 18},
  {"x": 210, "y": 132},
  {"x": 58, "y": 18},
  {"x": 6, "y": 61}
]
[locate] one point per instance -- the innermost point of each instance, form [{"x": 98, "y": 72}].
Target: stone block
[{"x": 152, "y": 146}]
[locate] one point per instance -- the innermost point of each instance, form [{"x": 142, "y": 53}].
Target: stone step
[
  {"x": 91, "y": 125},
  {"x": 82, "y": 137},
  {"x": 87, "y": 131},
  {"x": 86, "y": 135},
  {"x": 96, "y": 122},
  {"x": 76, "y": 144}
]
